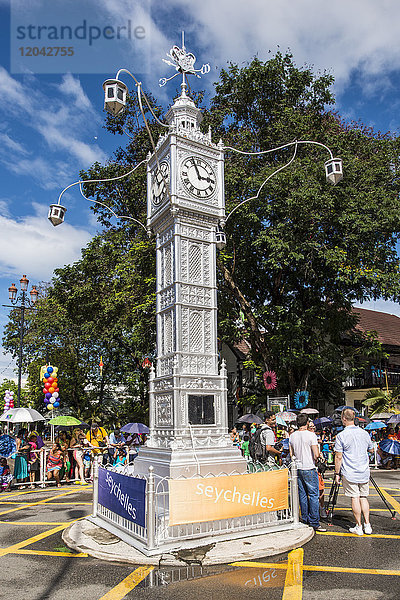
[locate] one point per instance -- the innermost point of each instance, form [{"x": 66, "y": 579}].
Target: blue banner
[{"x": 123, "y": 494}]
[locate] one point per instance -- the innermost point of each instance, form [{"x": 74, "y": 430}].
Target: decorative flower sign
[
  {"x": 301, "y": 399},
  {"x": 269, "y": 378}
]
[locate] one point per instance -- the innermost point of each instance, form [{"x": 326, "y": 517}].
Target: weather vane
[{"x": 183, "y": 62}]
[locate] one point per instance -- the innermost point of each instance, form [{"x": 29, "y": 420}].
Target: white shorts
[{"x": 355, "y": 490}]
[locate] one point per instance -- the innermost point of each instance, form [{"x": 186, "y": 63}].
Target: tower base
[{"x": 188, "y": 463}]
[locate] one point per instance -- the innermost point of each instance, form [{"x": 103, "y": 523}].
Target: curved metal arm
[
  {"x": 264, "y": 182},
  {"x": 296, "y": 142},
  {"x": 99, "y": 180},
  {"x": 110, "y": 209},
  {"x": 141, "y": 93}
]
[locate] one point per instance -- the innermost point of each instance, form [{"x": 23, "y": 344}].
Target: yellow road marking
[
  {"x": 34, "y": 522},
  {"x": 345, "y": 508},
  {"x": 4, "y": 512},
  {"x": 293, "y": 589},
  {"x": 391, "y": 501},
  {"x": 17, "y": 493},
  {"x": 371, "y": 535},
  {"x": 263, "y": 565},
  {"x": 122, "y": 589},
  {"x": 48, "y": 501},
  {"x": 32, "y": 540},
  {"x": 46, "y": 553}
]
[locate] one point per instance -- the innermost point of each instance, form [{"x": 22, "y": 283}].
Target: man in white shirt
[
  {"x": 304, "y": 448},
  {"x": 352, "y": 465}
]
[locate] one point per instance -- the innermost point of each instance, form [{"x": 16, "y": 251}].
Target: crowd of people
[
  {"x": 347, "y": 448},
  {"x": 278, "y": 451},
  {"x": 68, "y": 458}
]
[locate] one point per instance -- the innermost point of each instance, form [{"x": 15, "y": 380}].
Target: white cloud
[
  {"x": 62, "y": 127},
  {"x": 72, "y": 87},
  {"x": 32, "y": 245},
  {"x": 345, "y": 35},
  {"x": 8, "y": 143}
]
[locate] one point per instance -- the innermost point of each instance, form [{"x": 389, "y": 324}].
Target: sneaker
[
  {"x": 367, "y": 528},
  {"x": 357, "y": 530},
  {"x": 320, "y": 529}
]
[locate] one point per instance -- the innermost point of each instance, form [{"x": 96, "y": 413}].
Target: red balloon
[
  {"x": 56, "y": 390},
  {"x": 44, "y": 391},
  {"x": 50, "y": 379},
  {"x": 47, "y": 385}
]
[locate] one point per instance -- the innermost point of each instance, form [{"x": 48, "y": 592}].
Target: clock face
[
  {"x": 159, "y": 183},
  {"x": 198, "y": 177}
]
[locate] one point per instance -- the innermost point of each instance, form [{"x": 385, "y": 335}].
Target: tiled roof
[
  {"x": 385, "y": 325},
  {"x": 243, "y": 348}
]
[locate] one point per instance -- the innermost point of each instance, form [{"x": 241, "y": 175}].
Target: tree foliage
[{"x": 379, "y": 401}]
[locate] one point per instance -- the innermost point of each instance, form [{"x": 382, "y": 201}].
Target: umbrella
[
  {"x": 323, "y": 421},
  {"x": 340, "y": 408},
  {"x": 7, "y": 445},
  {"x": 375, "y": 425},
  {"x": 135, "y": 428},
  {"x": 280, "y": 421},
  {"x": 390, "y": 446},
  {"x": 250, "y": 418},
  {"x": 21, "y": 415},
  {"x": 310, "y": 411},
  {"x": 287, "y": 415},
  {"x": 64, "y": 420},
  {"x": 382, "y": 415},
  {"x": 394, "y": 419},
  {"x": 363, "y": 419}
]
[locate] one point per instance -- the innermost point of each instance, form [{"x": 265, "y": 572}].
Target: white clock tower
[{"x": 188, "y": 389}]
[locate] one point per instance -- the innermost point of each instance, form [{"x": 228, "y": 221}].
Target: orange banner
[{"x": 225, "y": 497}]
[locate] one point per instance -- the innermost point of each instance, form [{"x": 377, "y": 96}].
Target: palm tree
[{"x": 379, "y": 400}]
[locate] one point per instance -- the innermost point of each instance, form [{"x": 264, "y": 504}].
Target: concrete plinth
[{"x": 186, "y": 462}]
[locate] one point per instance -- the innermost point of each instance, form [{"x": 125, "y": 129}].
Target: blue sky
[{"x": 51, "y": 124}]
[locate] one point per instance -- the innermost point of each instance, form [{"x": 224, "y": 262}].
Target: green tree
[
  {"x": 101, "y": 306},
  {"x": 300, "y": 254},
  {"x": 379, "y": 400}
]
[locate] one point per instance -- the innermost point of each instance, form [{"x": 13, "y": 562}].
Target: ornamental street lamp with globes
[{"x": 24, "y": 304}]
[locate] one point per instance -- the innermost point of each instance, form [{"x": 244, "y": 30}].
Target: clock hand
[{"x": 196, "y": 169}]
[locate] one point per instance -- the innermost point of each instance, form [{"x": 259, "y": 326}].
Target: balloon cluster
[
  {"x": 8, "y": 400},
  {"x": 50, "y": 390}
]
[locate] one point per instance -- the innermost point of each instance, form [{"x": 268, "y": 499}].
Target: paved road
[{"x": 34, "y": 562}]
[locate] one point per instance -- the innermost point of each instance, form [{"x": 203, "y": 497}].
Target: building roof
[{"x": 386, "y": 326}]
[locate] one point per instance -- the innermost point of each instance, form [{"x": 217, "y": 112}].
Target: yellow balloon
[{"x": 50, "y": 407}]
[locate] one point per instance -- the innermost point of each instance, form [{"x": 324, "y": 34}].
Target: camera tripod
[{"x": 333, "y": 494}]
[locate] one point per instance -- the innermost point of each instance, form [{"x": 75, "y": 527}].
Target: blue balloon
[
  {"x": 50, "y": 369},
  {"x": 46, "y": 375},
  {"x": 47, "y": 395},
  {"x": 56, "y": 404},
  {"x": 46, "y": 400}
]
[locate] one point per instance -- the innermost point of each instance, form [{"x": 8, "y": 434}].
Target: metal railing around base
[{"x": 158, "y": 535}]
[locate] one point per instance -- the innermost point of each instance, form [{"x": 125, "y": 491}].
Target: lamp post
[{"x": 24, "y": 304}]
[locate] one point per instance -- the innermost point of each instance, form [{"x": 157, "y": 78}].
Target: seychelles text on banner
[{"x": 213, "y": 498}]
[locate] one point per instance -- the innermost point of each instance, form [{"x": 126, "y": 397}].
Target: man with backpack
[
  {"x": 262, "y": 444},
  {"x": 304, "y": 449}
]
